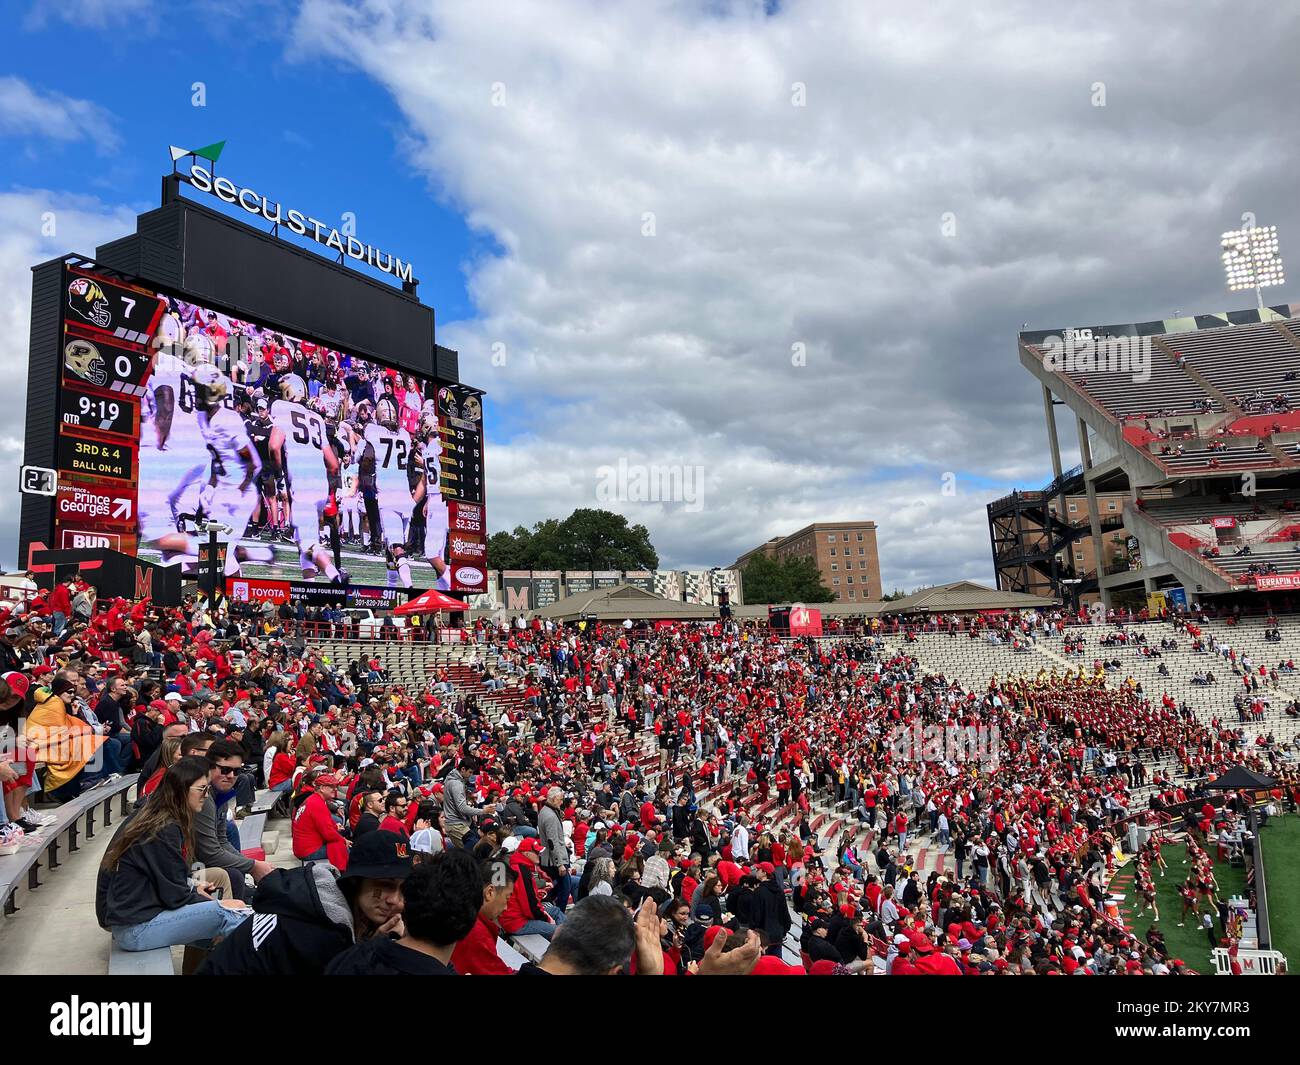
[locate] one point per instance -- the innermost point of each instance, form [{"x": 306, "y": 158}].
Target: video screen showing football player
[
  {"x": 337, "y": 445},
  {"x": 429, "y": 495},
  {"x": 300, "y": 450},
  {"x": 228, "y": 495},
  {"x": 391, "y": 448}
]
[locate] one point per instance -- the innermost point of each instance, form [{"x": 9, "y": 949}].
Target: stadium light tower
[{"x": 1251, "y": 260}]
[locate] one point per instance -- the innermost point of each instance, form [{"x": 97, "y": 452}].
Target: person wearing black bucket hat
[
  {"x": 308, "y": 916},
  {"x": 441, "y": 901}
]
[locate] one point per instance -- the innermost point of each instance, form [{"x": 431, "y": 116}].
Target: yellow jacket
[{"x": 63, "y": 742}]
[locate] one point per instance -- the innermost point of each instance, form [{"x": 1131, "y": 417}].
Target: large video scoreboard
[
  {"x": 158, "y": 405},
  {"x": 104, "y": 360}
]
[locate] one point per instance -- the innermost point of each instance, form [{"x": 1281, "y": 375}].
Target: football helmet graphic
[
  {"x": 471, "y": 410},
  {"x": 83, "y": 359},
  {"x": 293, "y": 388},
  {"x": 210, "y": 385},
  {"x": 447, "y": 401},
  {"x": 386, "y": 412},
  {"x": 87, "y": 299}
]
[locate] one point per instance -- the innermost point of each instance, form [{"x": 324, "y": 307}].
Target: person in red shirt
[
  {"x": 902, "y": 963},
  {"x": 476, "y": 954},
  {"x": 729, "y": 873},
  {"x": 526, "y": 912},
  {"x": 61, "y": 604},
  {"x": 315, "y": 835},
  {"x": 935, "y": 963},
  {"x": 395, "y": 805},
  {"x": 283, "y": 764}
]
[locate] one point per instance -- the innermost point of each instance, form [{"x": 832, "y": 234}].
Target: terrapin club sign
[{"x": 304, "y": 225}]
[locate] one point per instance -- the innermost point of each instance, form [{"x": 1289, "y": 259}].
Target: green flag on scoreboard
[{"x": 211, "y": 152}]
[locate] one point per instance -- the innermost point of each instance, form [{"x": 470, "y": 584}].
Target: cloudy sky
[{"x": 787, "y": 245}]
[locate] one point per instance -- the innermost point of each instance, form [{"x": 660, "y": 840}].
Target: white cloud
[
  {"x": 778, "y": 225},
  {"x": 89, "y": 14},
  {"x": 29, "y": 112},
  {"x": 36, "y": 225}
]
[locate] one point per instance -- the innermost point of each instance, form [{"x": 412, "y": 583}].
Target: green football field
[
  {"x": 1281, "y": 841},
  {"x": 363, "y": 568},
  {"x": 1189, "y": 943}
]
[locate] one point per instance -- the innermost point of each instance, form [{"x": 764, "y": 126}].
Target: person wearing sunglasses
[
  {"x": 144, "y": 894},
  {"x": 215, "y": 835}
]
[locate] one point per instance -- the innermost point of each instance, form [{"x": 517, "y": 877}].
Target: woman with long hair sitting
[
  {"x": 168, "y": 754},
  {"x": 144, "y": 895},
  {"x": 278, "y": 762}
]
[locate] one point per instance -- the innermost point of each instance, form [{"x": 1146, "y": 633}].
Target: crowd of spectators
[{"x": 647, "y": 806}]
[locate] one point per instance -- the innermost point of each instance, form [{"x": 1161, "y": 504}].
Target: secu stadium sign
[{"x": 202, "y": 179}]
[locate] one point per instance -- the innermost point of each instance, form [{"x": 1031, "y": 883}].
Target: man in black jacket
[
  {"x": 683, "y": 818},
  {"x": 816, "y": 942},
  {"x": 911, "y": 892},
  {"x": 372, "y": 809},
  {"x": 771, "y": 913},
  {"x": 305, "y": 917},
  {"x": 851, "y": 942}
]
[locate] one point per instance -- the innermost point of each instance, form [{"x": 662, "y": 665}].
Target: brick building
[
  {"x": 1082, "y": 554},
  {"x": 845, "y": 553}
]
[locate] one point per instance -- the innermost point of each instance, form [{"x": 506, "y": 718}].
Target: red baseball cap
[
  {"x": 529, "y": 845},
  {"x": 770, "y": 966},
  {"x": 712, "y": 933},
  {"x": 18, "y": 682}
]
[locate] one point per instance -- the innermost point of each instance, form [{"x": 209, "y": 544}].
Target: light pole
[
  {"x": 1251, "y": 260},
  {"x": 215, "y": 569}
]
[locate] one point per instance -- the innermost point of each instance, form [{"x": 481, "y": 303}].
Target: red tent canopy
[{"x": 430, "y": 602}]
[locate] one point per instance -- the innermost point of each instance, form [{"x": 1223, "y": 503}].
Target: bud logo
[
  {"x": 80, "y": 540},
  {"x": 469, "y": 576}
]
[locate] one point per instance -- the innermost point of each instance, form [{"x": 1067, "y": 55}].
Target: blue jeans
[
  {"x": 317, "y": 856},
  {"x": 199, "y": 922},
  {"x": 115, "y": 754},
  {"x": 564, "y": 886},
  {"x": 542, "y": 928}
]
